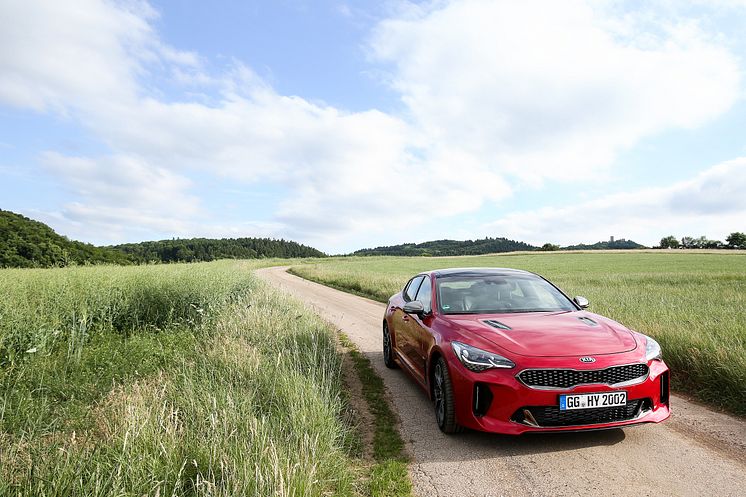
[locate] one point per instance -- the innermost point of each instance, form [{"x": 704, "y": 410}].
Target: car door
[
  {"x": 420, "y": 337},
  {"x": 401, "y": 321}
]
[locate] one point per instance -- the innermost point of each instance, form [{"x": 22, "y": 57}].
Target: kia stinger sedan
[{"x": 506, "y": 351}]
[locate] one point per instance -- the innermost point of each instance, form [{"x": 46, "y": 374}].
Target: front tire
[
  {"x": 388, "y": 348},
  {"x": 445, "y": 405}
]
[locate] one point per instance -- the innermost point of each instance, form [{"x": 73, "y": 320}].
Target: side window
[
  {"x": 425, "y": 294},
  {"x": 411, "y": 290}
]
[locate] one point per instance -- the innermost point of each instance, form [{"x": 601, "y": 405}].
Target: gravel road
[{"x": 697, "y": 452}]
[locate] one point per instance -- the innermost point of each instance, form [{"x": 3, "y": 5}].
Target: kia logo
[{"x": 587, "y": 359}]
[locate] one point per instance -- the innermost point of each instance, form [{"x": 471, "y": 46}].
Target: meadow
[
  {"x": 693, "y": 303},
  {"x": 198, "y": 379},
  {"x": 185, "y": 379}
]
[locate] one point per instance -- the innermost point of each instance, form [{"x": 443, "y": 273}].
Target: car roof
[{"x": 477, "y": 271}]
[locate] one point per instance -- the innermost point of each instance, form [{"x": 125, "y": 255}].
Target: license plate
[{"x": 592, "y": 400}]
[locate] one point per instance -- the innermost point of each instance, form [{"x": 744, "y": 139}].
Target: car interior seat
[{"x": 451, "y": 300}]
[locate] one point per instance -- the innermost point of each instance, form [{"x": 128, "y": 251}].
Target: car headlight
[
  {"x": 479, "y": 360},
  {"x": 652, "y": 350}
]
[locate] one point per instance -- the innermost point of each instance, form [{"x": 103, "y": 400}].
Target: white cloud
[
  {"x": 546, "y": 89},
  {"x": 710, "y": 204},
  {"x": 123, "y": 197},
  {"x": 82, "y": 54},
  {"x": 346, "y": 172},
  {"x": 492, "y": 91}
]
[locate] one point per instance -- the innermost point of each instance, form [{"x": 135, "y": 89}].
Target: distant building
[{"x": 611, "y": 240}]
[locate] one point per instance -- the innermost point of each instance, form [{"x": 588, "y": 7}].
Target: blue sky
[{"x": 348, "y": 124}]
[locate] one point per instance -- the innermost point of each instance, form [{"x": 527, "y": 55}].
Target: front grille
[
  {"x": 567, "y": 378},
  {"x": 550, "y": 416}
]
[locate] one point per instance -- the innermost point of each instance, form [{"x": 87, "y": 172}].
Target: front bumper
[{"x": 496, "y": 401}]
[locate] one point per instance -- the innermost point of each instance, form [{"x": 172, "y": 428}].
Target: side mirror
[
  {"x": 582, "y": 302},
  {"x": 414, "y": 307}
]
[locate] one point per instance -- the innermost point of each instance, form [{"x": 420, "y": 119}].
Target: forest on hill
[
  {"x": 450, "y": 248},
  {"x": 208, "y": 249},
  {"x": 28, "y": 243},
  {"x": 608, "y": 245},
  {"x": 486, "y": 246}
]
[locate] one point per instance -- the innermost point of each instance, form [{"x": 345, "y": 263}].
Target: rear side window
[
  {"x": 425, "y": 295},
  {"x": 411, "y": 291}
]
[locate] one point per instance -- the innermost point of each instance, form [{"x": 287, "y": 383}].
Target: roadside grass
[
  {"x": 388, "y": 476},
  {"x": 694, "y": 304},
  {"x": 189, "y": 379}
]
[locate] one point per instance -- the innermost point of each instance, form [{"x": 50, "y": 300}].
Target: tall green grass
[
  {"x": 189, "y": 379},
  {"x": 42, "y": 310},
  {"x": 694, "y": 304}
]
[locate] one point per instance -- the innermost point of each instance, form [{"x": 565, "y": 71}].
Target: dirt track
[{"x": 696, "y": 452}]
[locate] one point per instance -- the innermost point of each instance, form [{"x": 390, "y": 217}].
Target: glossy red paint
[
  {"x": 531, "y": 340},
  {"x": 549, "y": 334}
]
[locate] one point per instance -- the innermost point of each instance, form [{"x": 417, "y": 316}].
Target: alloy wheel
[
  {"x": 388, "y": 349},
  {"x": 439, "y": 395}
]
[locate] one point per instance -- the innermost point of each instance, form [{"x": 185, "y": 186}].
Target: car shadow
[
  {"x": 429, "y": 444},
  {"x": 539, "y": 443}
]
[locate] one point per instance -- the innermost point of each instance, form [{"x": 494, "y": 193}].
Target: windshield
[{"x": 497, "y": 294}]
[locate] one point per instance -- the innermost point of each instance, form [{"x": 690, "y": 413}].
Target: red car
[{"x": 506, "y": 351}]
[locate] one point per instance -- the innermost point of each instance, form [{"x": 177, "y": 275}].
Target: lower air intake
[
  {"x": 482, "y": 399},
  {"x": 551, "y": 416},
  {"x": 664, "y": 387}
]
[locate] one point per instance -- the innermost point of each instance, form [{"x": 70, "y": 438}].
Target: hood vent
[
  {"x": 497, "y": 324},
  {"x": 588, "y": 321}
]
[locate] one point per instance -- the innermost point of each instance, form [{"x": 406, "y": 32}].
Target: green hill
[
  {"x": 207, "y": 249},
  {"x": 609, "y": 245},
  {"x": 28, "y": 243},
  {"x": 450, "y": 247}
]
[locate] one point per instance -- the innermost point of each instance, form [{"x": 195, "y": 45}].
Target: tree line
[
  {"x": 28, "y": 243},
  {"x": 607, "y": 245},
  {"x": 736, "y": 240},
  {"x": 449, "y": 248},
  {"x": 208, "y": 249}
]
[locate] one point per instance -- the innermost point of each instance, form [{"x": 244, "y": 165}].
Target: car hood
[{"x": 544, "y": 334}]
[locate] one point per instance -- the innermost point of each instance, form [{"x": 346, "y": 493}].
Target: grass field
[
  {"x": 197, "y": 379},
  {"x": 694, "y": 304},
  {"x": 189, "y": 379}
]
